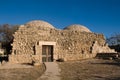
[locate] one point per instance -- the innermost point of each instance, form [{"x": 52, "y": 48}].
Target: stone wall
[
  {"x": 69, "y": 45},
  {"x": 23, "y": 58}
]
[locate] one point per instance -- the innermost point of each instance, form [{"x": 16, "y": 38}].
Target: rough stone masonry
[{"x": 38, "y": 41}]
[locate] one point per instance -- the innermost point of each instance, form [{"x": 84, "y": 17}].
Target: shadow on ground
[
  {"x": 115, "y": 64},
  {"x": 107, "y": 78}
]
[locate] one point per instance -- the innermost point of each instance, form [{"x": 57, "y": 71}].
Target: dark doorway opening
[{"x": 47, "y": 53}]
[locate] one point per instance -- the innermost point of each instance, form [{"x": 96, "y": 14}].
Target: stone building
[{"x": 39, "y": 41}]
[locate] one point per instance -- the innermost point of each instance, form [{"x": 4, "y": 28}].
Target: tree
[
  {"x": 114, "y": 39},
  {"x": 114, "y": 42},
  {"x": 6, "y": 36}
]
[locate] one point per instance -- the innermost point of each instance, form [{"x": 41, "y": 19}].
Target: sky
[{"x": 100, "y": 16}]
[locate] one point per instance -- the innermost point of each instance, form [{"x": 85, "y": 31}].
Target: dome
[
  {"x": 39, "y": 24},
  {"x": 77, "y": 27}
]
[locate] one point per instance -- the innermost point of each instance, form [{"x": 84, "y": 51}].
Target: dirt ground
[
  {"x": 92, "y": 69},
  {"x": 22, "y": 73}
]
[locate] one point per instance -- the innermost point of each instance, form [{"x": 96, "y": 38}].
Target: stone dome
[
  {"x": 77, "y": 27},
  {"x": 39, "y": 24}
]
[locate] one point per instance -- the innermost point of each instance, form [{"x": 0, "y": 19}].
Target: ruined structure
[{"x": 39, "y": 41}]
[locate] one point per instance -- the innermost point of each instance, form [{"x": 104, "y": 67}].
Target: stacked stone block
[{"x": 70, "y": 44}]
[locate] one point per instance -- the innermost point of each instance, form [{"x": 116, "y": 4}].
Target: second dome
[{"x": 77, "y": 27}]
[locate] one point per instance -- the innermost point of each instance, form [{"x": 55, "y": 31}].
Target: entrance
[{"x": 47, "y": 53}]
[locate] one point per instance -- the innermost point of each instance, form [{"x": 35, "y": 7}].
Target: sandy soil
[
  {"x": 24, "y": 73},
  {"x": 92, "y": 69}
]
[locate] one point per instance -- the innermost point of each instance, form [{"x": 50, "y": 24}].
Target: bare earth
[
  {"x": 21, "y": 72},
  {"x": 92, "y": 69}
]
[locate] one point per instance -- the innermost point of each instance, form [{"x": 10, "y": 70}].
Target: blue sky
[{"x": 101, "y": 16}]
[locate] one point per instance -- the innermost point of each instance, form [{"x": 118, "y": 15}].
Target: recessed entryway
[{"x": 47, "y": 53}]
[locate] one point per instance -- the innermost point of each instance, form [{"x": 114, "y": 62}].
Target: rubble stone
[{"x": 79, "y": 43}]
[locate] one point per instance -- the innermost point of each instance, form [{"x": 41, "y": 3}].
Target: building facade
[{"x": 39, "y": 41}]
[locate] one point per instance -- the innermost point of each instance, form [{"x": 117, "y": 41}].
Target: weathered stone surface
[
  {"x": 77, "y": 27},
  {"x": 67, "y": 44}
]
